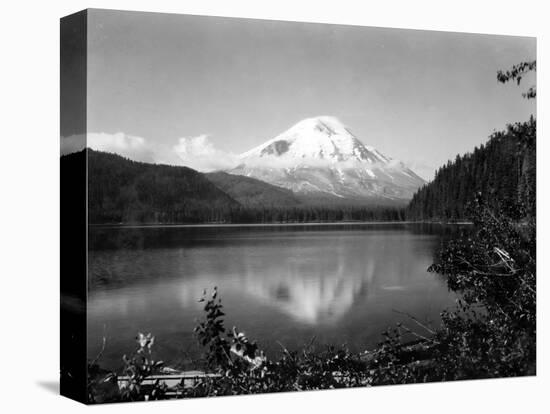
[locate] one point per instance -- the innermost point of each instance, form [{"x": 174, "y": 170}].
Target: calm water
[{"x": 339, "y": 284}]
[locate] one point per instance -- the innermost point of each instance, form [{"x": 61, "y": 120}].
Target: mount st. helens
[{"x": 321, "y": 157}]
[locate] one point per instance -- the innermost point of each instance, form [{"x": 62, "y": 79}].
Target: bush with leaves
[
  {"x": 244, "y": 369},
  {"x": 492, "y": 331},
  {"x": 137, "y": 368},
  {"x": 495, "y": 270}
]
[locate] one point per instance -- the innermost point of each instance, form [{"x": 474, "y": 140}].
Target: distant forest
[{"x": 502, "y": 173}]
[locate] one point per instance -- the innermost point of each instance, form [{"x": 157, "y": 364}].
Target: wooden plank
[{"x": 188, "y": 379}]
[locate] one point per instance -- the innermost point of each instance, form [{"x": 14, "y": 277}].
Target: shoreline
[{"x": 309, "y": 224}]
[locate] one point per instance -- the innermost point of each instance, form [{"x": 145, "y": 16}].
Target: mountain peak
[
  {"x": 322, "y": 155},
  {"x": 321, "y": 138}
]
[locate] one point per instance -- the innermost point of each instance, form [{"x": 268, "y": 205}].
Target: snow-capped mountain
[{"x": 321, "y": 156}]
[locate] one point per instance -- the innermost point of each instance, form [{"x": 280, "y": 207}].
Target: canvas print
[{"x": 253, "y": 206}]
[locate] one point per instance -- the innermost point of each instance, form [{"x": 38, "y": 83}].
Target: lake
[{"x": 281, "y": 285}]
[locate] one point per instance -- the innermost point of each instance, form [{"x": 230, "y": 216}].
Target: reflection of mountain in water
[
  {"x": 323, "y": 297},
  {"x": 316, "y": 288}
]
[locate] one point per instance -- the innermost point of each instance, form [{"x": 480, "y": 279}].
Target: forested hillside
[
  {"x": 502, "y": 173},
  {"x": 250, "y": 192},
  {"x": 121, "y": 190}
]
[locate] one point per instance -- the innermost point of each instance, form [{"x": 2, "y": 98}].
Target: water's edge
[{"x": 333, "y": 223}]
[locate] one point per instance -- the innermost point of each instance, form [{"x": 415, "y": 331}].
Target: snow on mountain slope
[{"x": 321, "y": 155}]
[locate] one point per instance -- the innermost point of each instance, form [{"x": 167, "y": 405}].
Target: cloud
[
  {"x": 197, "y": 152},
  {"x": 129, "y": 146},
  {"x": 72, "y": 143},
  {"x": 201, "y": 154},
  {"x": 424, "y": 170}
]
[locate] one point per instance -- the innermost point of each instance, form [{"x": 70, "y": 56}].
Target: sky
[{"x": 198, "y": 91}]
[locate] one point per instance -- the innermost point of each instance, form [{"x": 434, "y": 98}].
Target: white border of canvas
[{"x": 30, "y": 204}]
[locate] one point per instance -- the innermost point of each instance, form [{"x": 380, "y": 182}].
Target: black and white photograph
[
  {"x": 290, "y": 206},
  {"x": 283, "y": 206}
]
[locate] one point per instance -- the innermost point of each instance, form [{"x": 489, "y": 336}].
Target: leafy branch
[{"x": 516, "y": 73}]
